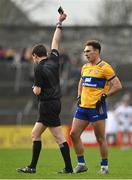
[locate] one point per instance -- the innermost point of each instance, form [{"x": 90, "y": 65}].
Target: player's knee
[
  {"x": 73, "y": 135},
  {"x": 101, "y": 140}
]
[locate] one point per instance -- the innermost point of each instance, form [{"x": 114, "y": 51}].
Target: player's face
[{"x": 90, "y": 53}]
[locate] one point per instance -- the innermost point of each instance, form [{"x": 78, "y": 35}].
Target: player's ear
[{"x": 97, "y": 51}]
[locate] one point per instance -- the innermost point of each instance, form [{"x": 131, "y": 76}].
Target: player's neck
[{"x": 97, "y": 61}]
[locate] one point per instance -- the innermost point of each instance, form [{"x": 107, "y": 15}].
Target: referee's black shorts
[{"x": 49, "y": 113}]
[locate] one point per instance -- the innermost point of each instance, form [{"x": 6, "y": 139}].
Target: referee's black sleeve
[
  {"x": 54, "y": 54},
  {"x": 38, "y": 77}
]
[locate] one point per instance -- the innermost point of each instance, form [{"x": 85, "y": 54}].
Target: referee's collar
[{"x": 43, "y": 60}]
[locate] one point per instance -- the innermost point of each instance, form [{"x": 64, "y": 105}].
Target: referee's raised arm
[{"x": 57, "y": 33}]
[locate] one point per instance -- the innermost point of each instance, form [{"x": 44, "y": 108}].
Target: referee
[{"x": 47, "y": 88}]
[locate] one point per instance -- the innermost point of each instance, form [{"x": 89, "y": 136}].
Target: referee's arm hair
[{"x": 57, "y": 33}]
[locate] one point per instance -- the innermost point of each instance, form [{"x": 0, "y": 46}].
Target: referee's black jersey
[{"x": 47, "y": 77}]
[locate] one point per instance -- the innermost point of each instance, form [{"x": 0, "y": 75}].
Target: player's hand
[
  {"x": 99, "y": 102},
  {"x": 62, "y": 17},
  {"x": 78, "y": 100}
]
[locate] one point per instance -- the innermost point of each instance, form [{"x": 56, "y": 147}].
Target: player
[
  {"x": 93, "y": 89},
  {"x": 47, "y": 89}
]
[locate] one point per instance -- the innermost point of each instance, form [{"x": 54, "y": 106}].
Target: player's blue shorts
[{"x": 91, "y": 114}]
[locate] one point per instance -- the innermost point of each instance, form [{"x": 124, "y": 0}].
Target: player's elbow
[
  {"x": 116, "y": 84},
  {"x": 118, "y": 87}
]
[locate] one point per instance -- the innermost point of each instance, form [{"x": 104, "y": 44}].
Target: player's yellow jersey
[{"x": 95, "y": 82}]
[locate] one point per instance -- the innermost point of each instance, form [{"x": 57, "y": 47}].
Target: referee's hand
[
  {"x": 99, "y": 102},
  {"x": 62, "y": 17},
  {"x": 36, "y": 90}
]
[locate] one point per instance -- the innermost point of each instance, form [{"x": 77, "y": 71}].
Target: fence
[{"x": 18, "y": 104}]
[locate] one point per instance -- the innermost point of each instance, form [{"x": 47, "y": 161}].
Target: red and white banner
[{"x": 89, "y": 140}]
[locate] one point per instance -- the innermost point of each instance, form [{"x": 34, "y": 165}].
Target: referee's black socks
[
  {"x": 35, "y": 153},
  {"x": 64, "y": 148}
]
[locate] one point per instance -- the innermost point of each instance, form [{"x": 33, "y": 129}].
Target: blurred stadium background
[{"x": 24, "y": 23}]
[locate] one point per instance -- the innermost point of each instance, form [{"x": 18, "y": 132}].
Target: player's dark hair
[
  {"x": 39, "y": 50},
  {"x": 95, "y": 44}
]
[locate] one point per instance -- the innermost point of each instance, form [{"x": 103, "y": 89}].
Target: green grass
[{"x": 50, "y": 161}]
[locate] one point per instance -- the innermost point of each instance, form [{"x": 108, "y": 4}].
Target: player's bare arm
[
  {"x": 79, "y": 92},
  {"x": 115, "y": 86},
  {"x": 80, "y": 87},
  {"x": 57, "y": 33}
]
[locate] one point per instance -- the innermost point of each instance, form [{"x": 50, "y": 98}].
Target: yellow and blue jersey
[{"x": 95, "y": 82}]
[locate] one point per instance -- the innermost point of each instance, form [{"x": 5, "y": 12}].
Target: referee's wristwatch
[{"x": 59, "y": 25}]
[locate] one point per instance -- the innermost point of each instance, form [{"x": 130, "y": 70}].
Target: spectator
[
  {"x": 111, "y": 127},
  {"x": 124, "y": 116}
]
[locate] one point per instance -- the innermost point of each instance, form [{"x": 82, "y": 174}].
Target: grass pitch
[{"x": 50, "y": 161}]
